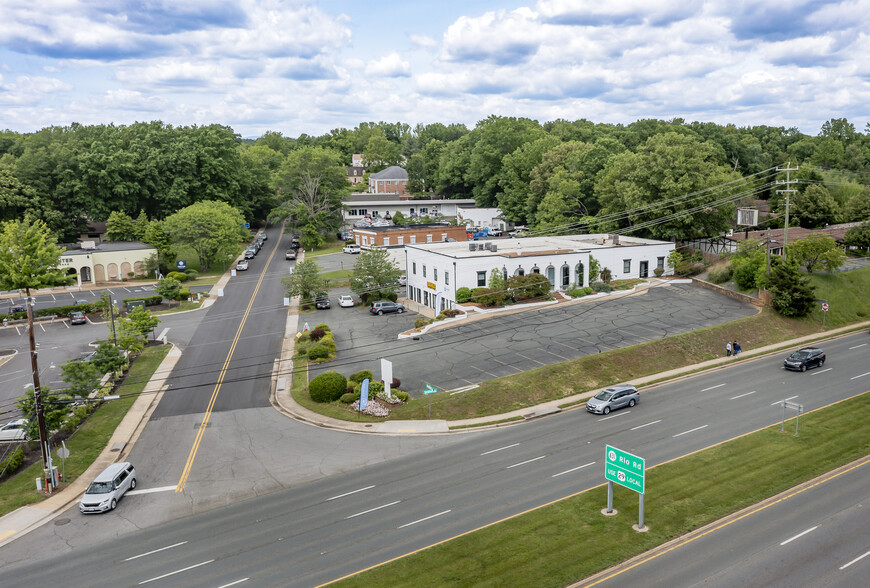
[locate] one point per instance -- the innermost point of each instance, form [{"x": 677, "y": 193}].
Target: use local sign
[{"x": 624, "y": 468}]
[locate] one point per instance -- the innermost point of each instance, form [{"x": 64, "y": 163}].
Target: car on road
[
  {"x": 250, "y": 253},
  {"x": 345, "y": 301},
  {"x": 108, "y": 488},
  {"x": 321, "y": 302},
  {"x": 242, "y": 265},
  {"x": 803, "y": 359},
  {"x": 384, "y": 306},
  {"x": 14, "y": 430},
  {"x": 351, "y": 249},
  {"x": 77, "y": 318},
  {"x": 262, "y": 236},
  {"x": 612, "y": 398},
  {"x": 290, "y": 254}
]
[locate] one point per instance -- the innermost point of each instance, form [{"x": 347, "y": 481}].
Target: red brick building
[{"x": 399, "y": 236}]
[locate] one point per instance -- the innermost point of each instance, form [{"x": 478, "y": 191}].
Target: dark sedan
[
  {"x": 77, "y": 318},
  {"x": 803, "y": 359}
]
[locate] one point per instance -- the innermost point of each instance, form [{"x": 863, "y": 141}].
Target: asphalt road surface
[{"x": 322, "y": 530}]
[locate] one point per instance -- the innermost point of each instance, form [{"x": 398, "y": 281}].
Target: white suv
[
  {"x": 351, "y": 249},
  {"x": 107, "y": 489}
]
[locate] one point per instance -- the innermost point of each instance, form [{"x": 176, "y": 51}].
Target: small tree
[
  {"x": 108, "y": 358},
  {"x": 606, "y": 275},
  {"x": 399, "y": 218},
  {"x": 498, "y": 284},
  {"x": 675, "y": 258},
  {"x": 142, "y": 320},
  {"x": 120, "y": 226},
  {"x": 594, "y": 269},
  {"x": 375, "y": 275},
  {"x": 54, "y": 409},
  {"x": 792, "y": 295},
  {"x": 305, "y": 281},
  {"x": 168, "y": 288},
  {"x": 129, "y": 337},
  {"x": 81, "y": 377},
  {"x": 816, "y": 249},
  {"x": 212, "y": 229}
]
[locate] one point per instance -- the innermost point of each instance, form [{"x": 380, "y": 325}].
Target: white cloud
[
  {"x": 497, "y": 37},
  {"x": 390, "y": 66},
  {"x": 424, "y": 41}
]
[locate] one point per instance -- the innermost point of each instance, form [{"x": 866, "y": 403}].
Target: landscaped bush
[
  {"x": 602, "y": 287},
  {"x": 327, "y": 387},
  {"x": 658, "y": 272},
  {"x": 588, "y": 290},
  {"x": 375, "y": 388},
  {"x": 576, "y": 292},
  {"x": 403, "y": 396},
  {"x": 463, "y": 295},
  {"x": 359, "y": 376},
  {"x": 349, "y": 397},
  {"x": 488, "y": 296},
  {"x": 528, "y": 287},
  {"x": 421, "y": 322},
  {"x": 720, "y": 274},
  {"x": 318, "y": 352},
  {"x": 149, "y": 300},
  {"x": 183, "y": 293},
  {"x": 12, "y": 462},
  {"x": 451, "y": 312},
  {"x": 690, "y": 268},
  {"x": 179, "y": 276},
  {"x": 323, "y": 326},
  {"x": 192, "y": 274},
  {"x": 395, "y": 383},
  {"x": 316, "y": 334},
  {"x": 606, "y": 275}
]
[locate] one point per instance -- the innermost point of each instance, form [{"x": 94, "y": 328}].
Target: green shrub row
[
  {"x": 318, "y": 344},
  {"x": 720, "y": 274},
  {"x": 580, "y": 292},
  {"x": 149, "y": 300},
  {"x": 13, "y": 461},
  {"x": 602, "y": 287}
]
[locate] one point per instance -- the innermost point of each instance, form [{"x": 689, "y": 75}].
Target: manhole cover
[{"x": 60, "y": 522}]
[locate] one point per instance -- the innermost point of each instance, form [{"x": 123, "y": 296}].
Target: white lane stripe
[
  {"x": 525, "y": 462},
  {"x": 234, "y": 583},
  {"x": 713, "y": 387},
  {"x": 742, "y": 395},
  {"x": 499, "y": 449},
  {"x": 176, "y": 572},
  {"x": 423, "y": 519},
  {"x": 856, "y": 347},
  {"x": 821, "y": 372},
  {"x": 784, "y": 399},
  {"x": 691, "y": 430},
  {"x": 349, "y": 493},
  {"x": 861, "y": 376},
  {"x": 613, "y": 416},
  {"x": 859, "y": 558},
  {"x": 585, "y": 465},
  {"x": 646, "y": 425},
  {"x": 155, "y": 551},
  {"x": 151, "y": 490},
  {"x": 372, "y": 509},
  {"x": 810, "y": 530}
]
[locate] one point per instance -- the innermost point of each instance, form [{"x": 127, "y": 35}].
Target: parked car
[
  {"x": 108, "y": 488},
  {"x": 403, "y": 280},
  {"x": 16, "y": 308},
  {"x": 242, "y": 265},
  {"x": 82, "y": 301},
  {"x": 262, "y": 236},
  {"x": 290, "y": 254},
  {"x": 14, "y": 430},
  {"x": 250, "y": 253},
  {"x": 805, "y": 358},
  {"x": 613, "y": 398},
  {"x": 77, "y": 318},
  {"x": 382, "y": 306},
  {"x": 351, "y": 249},
  {"x": 345, "y": 301},
  {"x": 321, "y": 302}
]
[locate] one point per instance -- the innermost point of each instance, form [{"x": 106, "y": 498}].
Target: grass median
[
  {"x": 89, "y": 440},
  {"x": 568, "y": 540}
]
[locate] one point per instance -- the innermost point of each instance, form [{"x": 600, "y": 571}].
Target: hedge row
[{"x": 12, "y": 462}]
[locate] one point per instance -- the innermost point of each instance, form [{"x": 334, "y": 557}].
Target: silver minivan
[
  {"x": 613, "y": 398},
  {"x": 107, "y": 488}
]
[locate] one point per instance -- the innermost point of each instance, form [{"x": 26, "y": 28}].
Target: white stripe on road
[
  {"x": 861, "y": 376},
  {"x": 810, "y": 530},
  {"x": 586, "y": 465},
  {"x": 821, "y": 372},
  {"x": 856, "y": 347},
  {"x": 499, "y": 449},
  {"x": 349, "y": 493},
  {"x": 176, "y": 572},
  {"x": 155, "y": 551},
  {"x": 234, "y": 583},
  {"x": 525, "y": 462},
  {"x": 742, "y": 395},
  {"x": 613, "y": 416},
  {"x": 151, "y": 490},
  {"x": 713, "y": 387},
  {"x": 783, "y": 400},
  {"x": 423, "y": 519},
  {"x": 691, "y": 430},
  {"x": 372, "y": 509},
  {"x": 646, "y": 425},
  {"x": 859, "y": 558}
]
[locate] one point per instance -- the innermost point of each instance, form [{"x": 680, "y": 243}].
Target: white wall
[{"x": 613, "y": 257}]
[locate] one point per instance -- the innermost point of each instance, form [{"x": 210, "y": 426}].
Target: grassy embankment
[
  {"x": 560, "y": 543},
  {"x": 89, "y": 440}
]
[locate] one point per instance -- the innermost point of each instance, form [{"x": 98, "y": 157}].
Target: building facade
[
  {"x": 359, "y": 206},
  {"x": 106, "y": 262},
  {"x": 484, "y": 217},
  {"x": 393, "y": 180},
  {"x": 399, "y": 236}
]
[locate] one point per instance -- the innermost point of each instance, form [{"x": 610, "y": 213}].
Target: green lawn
[
  {"x": 560, "y": 543},
  {"x": 329, "y": 247},
  {"x": 848, "y": 296},
  {"x": 89, "y": 440}
]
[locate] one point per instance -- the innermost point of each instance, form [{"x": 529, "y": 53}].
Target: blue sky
[{"x": 308, "y": 67}]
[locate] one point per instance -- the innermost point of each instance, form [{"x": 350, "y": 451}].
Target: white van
[
  {"x": 107, "y": 489},
  {"x": 351, "y": 249}
]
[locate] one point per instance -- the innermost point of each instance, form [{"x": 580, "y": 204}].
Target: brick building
[
  {"x": 393, "y": 180},
  {"x": 399, "y": 236}
]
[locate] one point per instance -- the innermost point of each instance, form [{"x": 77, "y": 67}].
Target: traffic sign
[
  {"x": 430, "y": 390},
  {"x": 825, "y": 306},
  {"x": 624, "y": 468}
]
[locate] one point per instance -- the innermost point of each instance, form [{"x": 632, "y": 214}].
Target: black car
[
  {"x": 321, "y": 302},
  {"x": 805, "y": 358},
  {"x": 382, "y": 306}
]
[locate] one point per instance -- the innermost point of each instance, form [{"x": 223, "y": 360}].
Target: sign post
[
  {"x": 626, "y": 470},
  {"x": 428, "y": 392},
  {"x": 825, "y": 311}
]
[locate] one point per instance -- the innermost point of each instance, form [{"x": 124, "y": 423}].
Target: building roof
[
  {"x": 392, "y": 197},
  {"x": 536, "y": 246},
  {"x": 107, "y": 246},
  {"x": 355, "y": 171},
  {"x": 838, "y": 232},
  {"x": 394, "y": 172},
  {"x": 421, "y": 226}
]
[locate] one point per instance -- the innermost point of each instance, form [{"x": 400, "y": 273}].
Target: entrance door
[{"x": 644, "y": 269}]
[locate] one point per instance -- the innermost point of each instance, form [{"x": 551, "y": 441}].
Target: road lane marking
[
  {"x": 742, "y": 395},
  {"x": 423, "y": 519},
  {"x": 810, "y": 530},
  {"x": 150, "y": 490},
  {"x": 713, "y": 387},
  {"x": 372, "y": 509},
  {"x": 856, "y": 347},
  {"x": 783, "y": 400},
  {"x": 646, "y": 425},
  {"x": 614, "y": 415},
  {"x": 857, "y": 559},
  {"x": 155, "y": 551},
  {"x": 861, "y": 376},
  {"x": 351, "y": 492},
  {"x": 234, "y": 583},
  {"x": 585, "y": 465},
  {"x": 821, "y": 372},
  {"x": 691, "y": 430},
  {"x": 176, "y": 572},
  {"x": 525, "y": 462},
  {"x": 499, "y": 449}
]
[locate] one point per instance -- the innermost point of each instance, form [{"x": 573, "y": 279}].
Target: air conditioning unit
[
  {"x": 472, "y": 246},
  {"x": 493, "y": 248}
]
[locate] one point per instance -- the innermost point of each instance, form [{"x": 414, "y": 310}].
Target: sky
[{"x": 294, "y": 66}]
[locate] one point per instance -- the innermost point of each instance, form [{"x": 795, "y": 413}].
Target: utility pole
[
  {"x": 788, "y": 181},
  {"x": 37, "y": 391}
]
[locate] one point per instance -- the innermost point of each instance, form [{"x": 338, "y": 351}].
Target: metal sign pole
[
  {"x": 640, "y": 508},
  {"x": 609, "y": 496}
]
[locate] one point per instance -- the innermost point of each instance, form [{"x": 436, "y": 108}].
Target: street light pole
[{"x": 37, "y": 389}]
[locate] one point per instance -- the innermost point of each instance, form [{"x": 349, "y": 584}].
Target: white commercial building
[
  {"x": 436, "y": 270},
  {"x": 483, "y": 217},
  {"x": 358, "y": 206}
]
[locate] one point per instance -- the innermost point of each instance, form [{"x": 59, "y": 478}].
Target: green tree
[
  {"x": 816, "y": 249},
  {"x": 212, "y": 229},
  {"x": 858, "y": 236},
  {"x": 858, "y": 206},
  {"x": 156, "y": 236},
  {"x": 81, "y": 377},
  {"x": 380, "y": 153},
  {"x": 498, "y": 285},
  {"x": 120, "y": 226},
  {"x": 815, "y": 207},
  {"x": 791, "y": 293},
  {"x": 169, "y": 288},
  {"x": 140, "y": 225},
  {"x": 29, "y": 257},
  {"x": 517, "y": 168},
  {"x": 54, "y": 410},
  {"x": 108, "y": 358},
  {"x": 130, "y": 338},
  {"x": 399, "y": 218},
  {"x": 141, "y": 320},
  {"x": 305, "y": 281},
  {"x": 375, "y": 275}
]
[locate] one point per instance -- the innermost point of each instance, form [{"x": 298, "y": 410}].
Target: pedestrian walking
[
  {"x": 736, "y": 348},
  {"x": 728, "y": 349}
]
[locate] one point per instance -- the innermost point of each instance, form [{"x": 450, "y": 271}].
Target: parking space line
[{"x": 530, "y": 359}]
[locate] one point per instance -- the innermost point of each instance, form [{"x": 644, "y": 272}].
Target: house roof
[
  {"x": 838, "y": 232},
  {"x": 108, "y": 246},
  {"x": 394, "y": 172},
  {"x": 389, "y": 197}
]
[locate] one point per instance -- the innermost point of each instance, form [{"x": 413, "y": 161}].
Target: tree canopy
[{"x": 213, "y": 230}]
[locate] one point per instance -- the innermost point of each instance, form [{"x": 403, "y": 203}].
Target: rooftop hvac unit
[
  {"x": 472, "y": 246},
  {"x": 614, "y": 238},
  {"x": 493, "y": 248}
]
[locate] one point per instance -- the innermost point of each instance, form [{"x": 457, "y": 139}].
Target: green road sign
[{"x": 624, "y": 468}]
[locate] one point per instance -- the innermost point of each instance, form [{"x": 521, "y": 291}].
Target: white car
[
  {"x": 403, "y": 280},
  {"x": 351, "y": 249},
  {"x": 242, "y": 265},
  {"x": 345, "y": 301},
  {"x": 14, "y": 431}
]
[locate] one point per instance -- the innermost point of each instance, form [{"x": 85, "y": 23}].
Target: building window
[
  {"x": 426, "y": 297},
  {"x": 414, "y": 267},
  {"x": 626, "y": 266},
  {"x": 424, "y": 271},
  {"x": 413, "y": 239},
  {"x": 400, "y": 240},
  {"x": 566, "y": 276},
  {"x": 536, "y": 270},
  {"x": 365, "y": 240},
  {"x": 661, "y": 263},
  {"x": 551, "y": 275},
  {"x": 520, "y": 272},
  {"x": 434, "y": 274},
  {"x": 428, "y": 238},
  {"x": 447, "y": 278},
  {"x": 424, "y": 211},
  {"x": 362, "y": 211},
  {"x": 386, "y": 241},
  {"x": 578, "y": 272},
  {"x": 481, "y": 279},
  {"x": 504, "y": 275}
]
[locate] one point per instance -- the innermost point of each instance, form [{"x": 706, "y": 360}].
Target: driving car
[
  {"x": 382, "y": 306},
  {"x": 805, "y": 358},
  {"x": 351, "y": 249},
  {"x": 321, "y": 302},
  {"x": 290, "y": 254},
  {"x": 77, "y": 318},
  {"x": 108, "y": 488},
  {"x": 242, "y": 265},
  {"x": 345, "y": 301},
  {"x": 612, "y": 398},
  {"x": 14, "y": 430}
]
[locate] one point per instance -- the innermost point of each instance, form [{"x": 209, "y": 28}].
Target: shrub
[
  {"x": 403, "y": 396},
  {"x": 488, "y": 296},
  {"x": 375, "y": 388},
  {"x": 420, "y": 322},
  {"x": 349, "y": 398},
  {"x": 350, "y": 388},
  {"x": 463, "y": 295},
  {"x": 576, "y": 292},
  {"x": 192, "y": 274},
  {"x": 323, "y": 327},
  {"x": 11, "y": 463},
  {"x": 602, "y": 287},
  {"x": 183, "y": 293},
  {"x": 606, "y": 275},
  {"x": 690, "y": 268},
  {"x": 528, "y": 286},
  {"x": 327, "y": 387},
  {"x": 178, "y": 276},
  {"x": 658, "y": 271},
  {"x": 395, "y": 383},
  {"x": 451, "y": 312},
  {"x": 720, "y": 274},
  {"x": 316, "y": 334},
  {"x": 149, "y": 300},
  {"x": 359, "y": 376},
  {"x": 318, "y": 352},
  {"x": 588, "y": 290}
]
